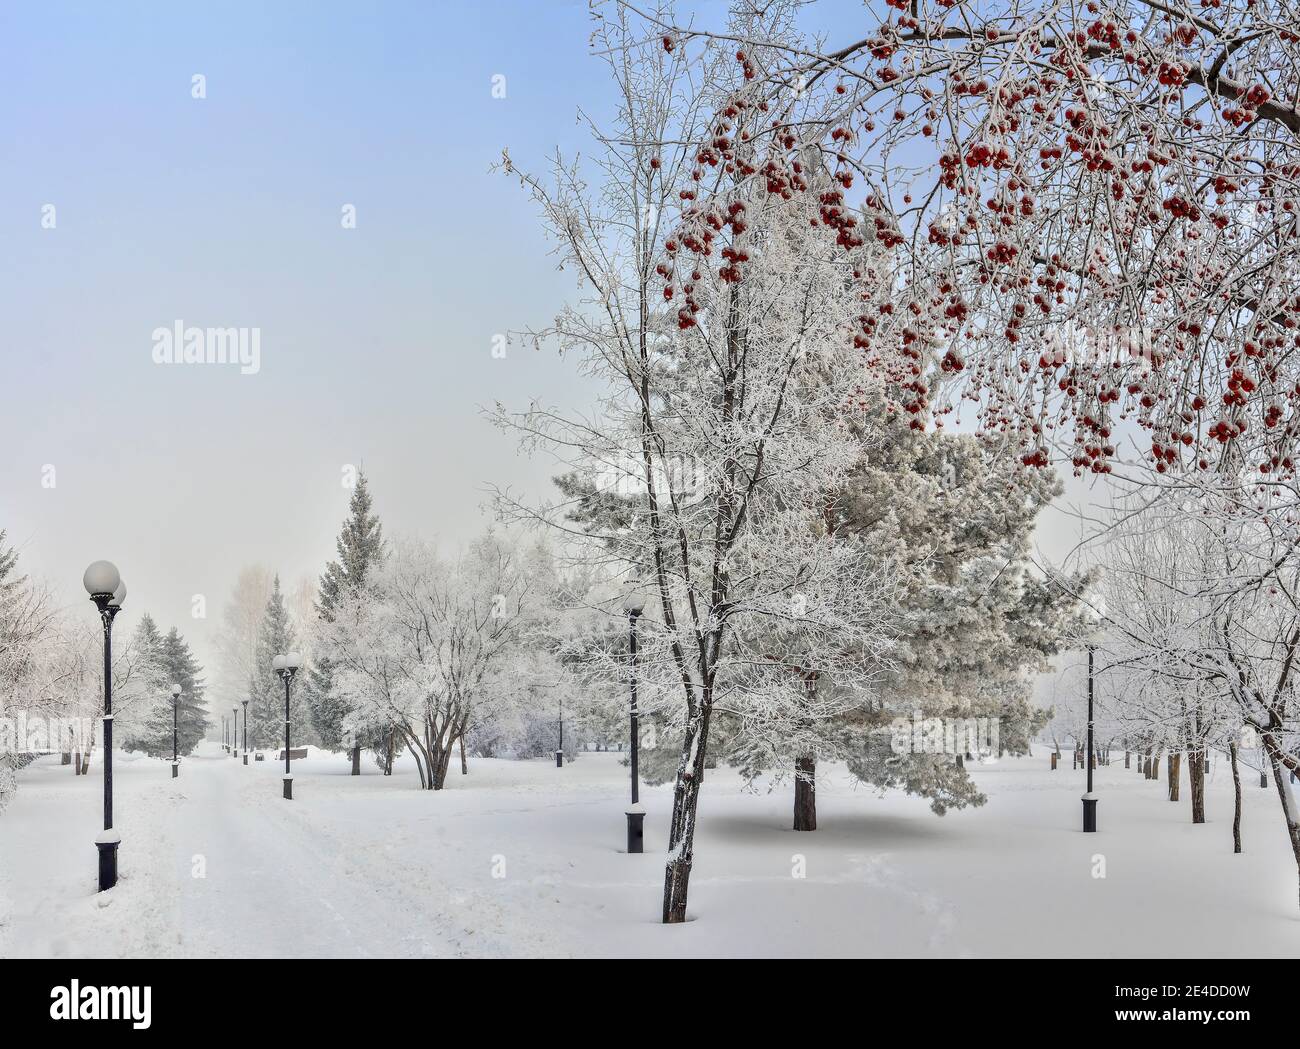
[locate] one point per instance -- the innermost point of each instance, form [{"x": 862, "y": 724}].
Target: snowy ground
[{"x": 373, "y": 867}]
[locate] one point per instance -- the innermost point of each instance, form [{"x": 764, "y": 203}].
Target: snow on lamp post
[
  {"x": 286, "y": 666},
  {"x": 245, "y": 732},
  {"x": 1096, "y": 617},
  {"x": 176, "y": 700},
  {"x": 104, "y": 584},
  {"x": 633, "y": 606}
]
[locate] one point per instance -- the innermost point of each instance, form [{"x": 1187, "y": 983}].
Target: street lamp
[
  {"x": 1096, "y": 617},
  {"x": 286, "y": 666},
  {"x": 176, "y": 699},
  {"x": 559, "y": 754},
  {"x": 633, "y": 606},
  {"x": 234, "y": 735},
  {"x": 104, "y": 584},
  {"x": 245, "y": 732}
]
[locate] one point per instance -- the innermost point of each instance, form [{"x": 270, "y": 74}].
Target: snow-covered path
[
  {"x": 255, "y": 880},
  {"x": 521, "y": 858}
]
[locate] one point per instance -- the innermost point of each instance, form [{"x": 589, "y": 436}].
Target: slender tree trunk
[
  {"x": 464, "y": 765},
  {"x": 1236, "y": 803},
  {"x": 1289, "y": 813},
  {"x": 805, "y": 793},
  {"x": 1174, "y": 762},
  {"x": 686, "y": 799},
  {"x": 1196, "y": 778},
  {"x": 1127, "y": 760},
  {"x": 356, "y": 760}
]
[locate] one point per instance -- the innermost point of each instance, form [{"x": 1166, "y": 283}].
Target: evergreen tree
[
  {"x": 266, "y": 690},
  {"x": 146, "y": 725},
  {"x": 182, "y": 668},
  {"x": 360, "y": 551}
]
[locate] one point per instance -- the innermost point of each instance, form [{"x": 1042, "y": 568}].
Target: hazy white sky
[{"x": 225, "y": 211}]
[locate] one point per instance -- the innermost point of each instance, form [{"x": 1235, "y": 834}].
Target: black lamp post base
[
  {"x": 245, "y": 758},
  {"x": 1089, "y": 814},
  {"x": 288, "y": 788},
  {"x": 176, "y": 770},
  {"x": 636, "y": 829},
  {"x": 107, "y": 861},
  {"x": 559, "y": 759}
]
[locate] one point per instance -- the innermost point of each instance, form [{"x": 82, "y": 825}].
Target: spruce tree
[
  {"x": 360, "y": 550},
  {"x": 146, "y": 725},
  {"x": 182, "y": 668},
  {"x": 266, "y": 690}
]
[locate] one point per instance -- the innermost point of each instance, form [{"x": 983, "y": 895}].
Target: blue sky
[{"x": 225, "y": 211}]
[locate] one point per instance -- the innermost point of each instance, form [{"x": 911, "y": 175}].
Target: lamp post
[
  {"x": 234, "y": 732},
  {"x": 1096, "y": 618},
  {"x": 176, "y": 700},
  {"x": 104, "y": 584},
  {"x": 286, "y": 666},
  {"x": 633, "y": 606},
  {"x": 559, "y": 754},
  {"x": 245, "y": 732}
]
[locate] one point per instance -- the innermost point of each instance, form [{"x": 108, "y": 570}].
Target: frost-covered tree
[
  {"x": 1207, "y": 601},
  {"x": 241, "y": 621},
  {"x": 28, "y": 620},
  {"x": 149, "y": 731},
  {"x": 430, "y": 646},
  {"x": 265, "y": 694},
  {"x": 181, "y": 667},
  {"x": 360, "y": 548},
  {"x": 1123, "y": 169},
  {"x": 727, "y": 348}
]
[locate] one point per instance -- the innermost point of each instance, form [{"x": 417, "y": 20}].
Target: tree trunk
[
  {"x": 1236, "y": 806},
  {"x": 356, "y": 760},
  {"x": 1289, "y": 813},
  {"x": 388, "y": 754},
  {"x": 464, "y": 765},
  {"x": 1127, "y": 761},
  {"x": 1174, "y": 762},
  {"x": 805, "y": 793},
  {"x": 1196, "y": 777},
  {"x": 681, "y": 829}
]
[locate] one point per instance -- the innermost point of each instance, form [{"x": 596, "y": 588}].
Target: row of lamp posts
[{"x": 103, "y": 582}]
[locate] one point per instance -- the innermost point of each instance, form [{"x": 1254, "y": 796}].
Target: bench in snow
[{"x": 294, "y": 754}]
